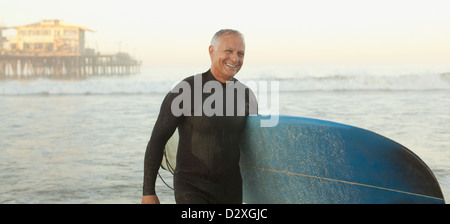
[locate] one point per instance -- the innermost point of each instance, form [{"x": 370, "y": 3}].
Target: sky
[{"x": 163, "y": 33}]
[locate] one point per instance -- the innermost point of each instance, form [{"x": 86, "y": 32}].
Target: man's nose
[{"x": 234, "y": 57}]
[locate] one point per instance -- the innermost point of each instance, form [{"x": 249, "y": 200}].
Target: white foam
[{"x": 300, "y": 79}]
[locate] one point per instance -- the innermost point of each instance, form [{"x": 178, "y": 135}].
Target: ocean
[{"x": 83, "y": 141}]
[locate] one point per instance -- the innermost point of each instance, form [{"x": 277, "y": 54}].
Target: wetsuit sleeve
[{"x": 164, "y": 128}]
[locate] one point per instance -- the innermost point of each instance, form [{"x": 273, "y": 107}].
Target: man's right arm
[{"x": 164, "y": 127}]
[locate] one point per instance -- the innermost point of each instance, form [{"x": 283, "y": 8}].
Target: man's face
[{"x": 227, "y": 60}]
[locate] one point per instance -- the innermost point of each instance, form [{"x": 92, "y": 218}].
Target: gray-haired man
[{"x": 207, "y": 168}]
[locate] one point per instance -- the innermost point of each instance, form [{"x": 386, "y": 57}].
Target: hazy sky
[{"x": 277, "y": 32}]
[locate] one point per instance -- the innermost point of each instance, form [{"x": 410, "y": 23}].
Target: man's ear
[{"x": 211, "y": 51}]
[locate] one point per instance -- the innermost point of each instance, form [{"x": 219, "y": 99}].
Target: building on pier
[{"x": 49, "y": 36}]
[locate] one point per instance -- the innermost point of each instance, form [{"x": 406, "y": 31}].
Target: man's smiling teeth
[{"x": 233, "y": 66}]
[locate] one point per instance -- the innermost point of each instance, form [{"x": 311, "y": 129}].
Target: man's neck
[{"x": 222, "y": 80}]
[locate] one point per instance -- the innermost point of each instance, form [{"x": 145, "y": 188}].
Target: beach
[{"x": 83, "y": 141}]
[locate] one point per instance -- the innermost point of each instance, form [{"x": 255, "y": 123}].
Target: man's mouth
[{"x": 233, "y": 66}]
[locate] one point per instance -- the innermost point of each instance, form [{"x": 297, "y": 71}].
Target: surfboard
[
  {"x": 169, "y": 161},
  {"x": 303, "y": 160}
]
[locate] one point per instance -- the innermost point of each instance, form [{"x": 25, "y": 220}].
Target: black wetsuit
[{"x": 207, "y": 168}]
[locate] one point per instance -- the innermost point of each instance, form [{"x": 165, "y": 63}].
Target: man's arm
[{"x": 162, "y": 131}]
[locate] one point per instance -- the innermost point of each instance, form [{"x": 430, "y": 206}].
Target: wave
[
  {"x": 148, "y": 85},
  {"x": 366, "y": 83},
  {"x": 97, "y": 86}
]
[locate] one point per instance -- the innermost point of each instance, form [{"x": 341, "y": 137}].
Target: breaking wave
[{"x": 148, "y": 84}]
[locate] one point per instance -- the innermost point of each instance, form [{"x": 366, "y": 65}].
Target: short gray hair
[{"x": 216, "y": 38}]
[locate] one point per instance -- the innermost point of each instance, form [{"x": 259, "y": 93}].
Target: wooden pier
[{"x": 66, "y": 66}]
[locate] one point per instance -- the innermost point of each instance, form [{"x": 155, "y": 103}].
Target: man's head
[{"x": 227, "y": 52}]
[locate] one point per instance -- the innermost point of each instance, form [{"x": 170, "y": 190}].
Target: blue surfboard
[{"x": 305, "y": 160}]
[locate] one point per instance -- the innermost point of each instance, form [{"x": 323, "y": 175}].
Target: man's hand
[{"x": 150, "y": 199}]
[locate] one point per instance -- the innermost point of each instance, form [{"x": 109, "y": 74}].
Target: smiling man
[
  {"x": 227, "y": 57},
  {"x": 207, "y": 169}
]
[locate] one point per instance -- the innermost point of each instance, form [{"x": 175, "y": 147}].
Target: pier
[
  {"x": 55, "y": 50},
  {"x": 23, "y": 66}
]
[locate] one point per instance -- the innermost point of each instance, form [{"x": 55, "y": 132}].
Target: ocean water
[{"x": 83, "y": 141}]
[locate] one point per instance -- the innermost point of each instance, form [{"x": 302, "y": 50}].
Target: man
[{"x": 207, "y": 168}]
